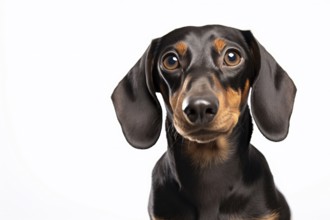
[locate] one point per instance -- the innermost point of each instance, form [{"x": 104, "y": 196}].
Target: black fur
[{"x": 241, "y": 186}]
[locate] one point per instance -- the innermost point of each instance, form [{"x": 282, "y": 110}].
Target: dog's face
[
  {"x": 204, "y": 75},
  {"x": 205, "y": 80}
]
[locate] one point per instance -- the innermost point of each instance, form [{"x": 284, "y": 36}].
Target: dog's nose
[{"x": 200, "y": 110}]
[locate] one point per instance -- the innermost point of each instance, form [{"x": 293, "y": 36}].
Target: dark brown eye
[
  {"x": 232, "y": 58},
  {"x": 171, "y": 61}
]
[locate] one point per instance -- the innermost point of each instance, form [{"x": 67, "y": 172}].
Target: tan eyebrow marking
[
  {"x": 181, "y": 47},
  {"x": 219, "y": 44}
]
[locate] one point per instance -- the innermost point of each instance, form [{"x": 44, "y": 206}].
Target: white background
[{"x": 62, "y": 153}]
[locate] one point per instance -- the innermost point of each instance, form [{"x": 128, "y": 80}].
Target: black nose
[{"x": 200, "y": 110}]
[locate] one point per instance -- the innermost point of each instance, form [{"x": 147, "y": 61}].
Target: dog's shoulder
[
  {"x": 255, "y": 166},
  {"x": 162, "y": 170}
]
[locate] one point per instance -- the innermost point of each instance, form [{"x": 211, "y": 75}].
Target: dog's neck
[
  {"x": 216, "y": 152},
  {"x": 196, "y": 167}
]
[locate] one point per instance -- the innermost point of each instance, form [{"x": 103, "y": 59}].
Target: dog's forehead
[{"x": 199, "y": 36}]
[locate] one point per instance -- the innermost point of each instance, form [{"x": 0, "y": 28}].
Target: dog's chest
[{"x": 210, "y": 187}]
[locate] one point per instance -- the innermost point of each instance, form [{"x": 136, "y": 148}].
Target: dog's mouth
[
  {"x": 206, "y": 134},
  {"x": 203, "y": 136}
]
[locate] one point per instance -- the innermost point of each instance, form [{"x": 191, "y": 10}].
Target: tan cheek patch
[
  {"x": 174, "y": 101},
  {"x": 245, "y": 92},
  {"x": 229, "y": 98},
  {"x": 233, "y": 98},
  {"x": 230, "y": 101},
  {"x": 229, "y": 110},
  {"x": 177, "y": 97}
]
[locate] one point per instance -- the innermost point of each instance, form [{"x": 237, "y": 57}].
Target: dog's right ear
[
  {"x": 273, "y": 93},
  {"x": 136, "y": 104}
]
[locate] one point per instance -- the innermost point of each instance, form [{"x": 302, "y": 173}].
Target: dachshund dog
[{"x": 210, "y": 170}]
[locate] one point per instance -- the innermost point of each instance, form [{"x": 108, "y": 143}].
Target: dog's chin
[
  {"x": 200, "y": 140},
  {"x": 202, "y": 136}
]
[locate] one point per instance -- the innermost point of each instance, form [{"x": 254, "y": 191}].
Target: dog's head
[{"x": 204, "y": 75}]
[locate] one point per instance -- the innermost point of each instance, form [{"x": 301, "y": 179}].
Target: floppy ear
[
  {"x": 136, "y": 104},
  {"x": 273, "y": 94}
]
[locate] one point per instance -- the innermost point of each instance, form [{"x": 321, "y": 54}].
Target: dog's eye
[
  {"x": 232, "y": 58},
  {"x": 171, "y": 61}
]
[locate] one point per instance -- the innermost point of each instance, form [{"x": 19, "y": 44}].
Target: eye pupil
[
  {"x": 232, "y": 58},
  {"x": 171, "y": 62}
]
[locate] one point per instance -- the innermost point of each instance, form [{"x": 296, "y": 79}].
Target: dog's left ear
[
  {"x": 273, "y": 93},
  {"x": 136, "y": 104}
]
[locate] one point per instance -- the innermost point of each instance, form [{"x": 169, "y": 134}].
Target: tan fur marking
[
  {"x": 181, "y": 47},
  {"x": 176, "y": 100},
  {"x": 219, "y": 44},
  {"x": 245, "y": 91},
  {"x": 204, "y": 155},
  {"x": 155, "y": 218},
  {"x": 215, "y": 148},
  {"x": 177, "y": 96},
  {"x": 233, "y": 98},
  {"x": 229, "y": 111},
  {"x": 272, "y": 216}
]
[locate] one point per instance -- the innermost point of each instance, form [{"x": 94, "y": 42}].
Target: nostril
[
  {"x": 210, "y": 111},
  {"x": 191, "y": 114},
  {"x": 200, "y": 110},
  {"x": 189, "y": 111}
]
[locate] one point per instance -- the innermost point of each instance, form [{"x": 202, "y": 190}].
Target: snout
[
  {"x": 200, "y": 110},
  {"x": 204, "y": 110}
]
